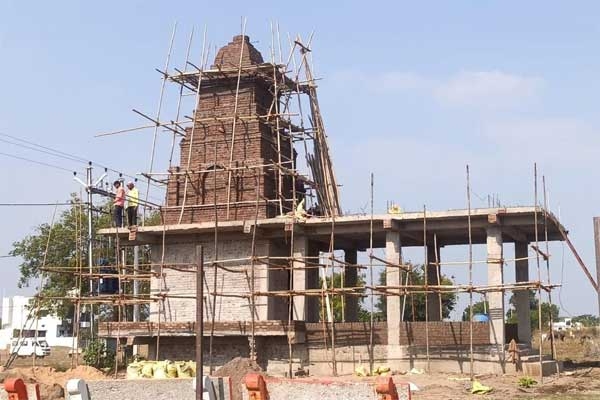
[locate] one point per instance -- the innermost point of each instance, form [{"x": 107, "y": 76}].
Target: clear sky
[{"x": 410, "y": 92}]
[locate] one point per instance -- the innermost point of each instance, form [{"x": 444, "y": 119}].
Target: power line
[
  {"x": 36, "y": 162},
  {"x": 33, "y": 204},
  {"x": 50, "y": 151},
  {"x": 60, "y": 154}
]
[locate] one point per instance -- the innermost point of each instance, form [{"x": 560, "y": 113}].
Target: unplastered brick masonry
[{"x": 228, "y": 165}]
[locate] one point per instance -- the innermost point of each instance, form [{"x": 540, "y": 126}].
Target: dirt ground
[{"x": 579, "y": 380}]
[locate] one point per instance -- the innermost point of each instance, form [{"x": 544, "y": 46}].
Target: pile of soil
[{"x": 236, "y": 370}]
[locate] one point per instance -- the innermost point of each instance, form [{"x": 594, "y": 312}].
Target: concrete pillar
[
  {"x": 350, "y": 280},
  {"x": 393, "y": 254},
  {"x": 433, "y": 299},
  {"x": 305, "y": 308},
  {"x": 495, "y": 277},
  {"x": 522, "y": 296}
]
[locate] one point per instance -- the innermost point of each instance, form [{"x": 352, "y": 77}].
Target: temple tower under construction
[{"x": 233, "y": 155}]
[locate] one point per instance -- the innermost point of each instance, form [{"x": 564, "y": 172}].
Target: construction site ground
[{"x": 579, "y": 380}]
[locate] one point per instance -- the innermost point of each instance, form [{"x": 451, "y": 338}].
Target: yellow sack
[
  {"x": 160, "y": 370},
  {"x": 183, "y": 370},
  {"x": 478, "y": 388},
  {"x": 192, "y": 365},
  {"x": 382, "y": 369},
  {"x": 361, "y": 371},
  {"x": 133, "y": 370},
  {"x": 171, "y": 370},
  {"x": 147, "y": 370}
]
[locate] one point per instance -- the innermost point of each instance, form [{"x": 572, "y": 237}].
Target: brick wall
[
  {"x": 229, "y": 56},
  {"x": 444, "y": 333},
  {"x": 346, "y": 333},
  {"x": 411, "y": 333},
  {"x": 233, "y": 283},
  {"x": 184, "y": 348},
  {"x": 207, "y": 147}
]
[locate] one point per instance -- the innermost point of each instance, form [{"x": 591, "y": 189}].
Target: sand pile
[
  {"x": 237, "y": 369},
  {"x": 51, "y": 381}
]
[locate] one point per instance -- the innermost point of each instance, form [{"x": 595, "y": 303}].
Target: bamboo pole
[
  {"x": 547, "y": 259},
  {"x": 371, "y": 294},
  {"x": 158, "y": 111},
  {"x": 539, "y": 273},
  {"x": 471, "y": 361},
  {"x": 425, "y": 273}
]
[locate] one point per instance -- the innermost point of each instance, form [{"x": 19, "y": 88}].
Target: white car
[{"x": 27, "y": 347}]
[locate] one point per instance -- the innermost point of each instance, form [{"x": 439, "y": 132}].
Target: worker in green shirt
[{"x": 133, "y": 197}]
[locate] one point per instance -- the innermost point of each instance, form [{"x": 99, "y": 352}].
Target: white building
[{"x": 15, "y": 317}]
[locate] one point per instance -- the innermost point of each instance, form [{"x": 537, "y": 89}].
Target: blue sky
[{"x": 409, "y": 92}]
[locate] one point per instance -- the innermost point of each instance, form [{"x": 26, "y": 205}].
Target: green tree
[
  {"x": 416, "y": 301},
  {"x": 548, "y": 310},
  {"x": 335, "y": 281},
  {"x": 66, "y": 243},
  {"x": 587, "y": 320},
  {"x": 480, "y": 307}
]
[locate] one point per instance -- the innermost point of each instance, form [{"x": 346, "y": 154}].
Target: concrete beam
[
  {"x": 515, "y": 233},
  {"x": 522, "y": 296}
]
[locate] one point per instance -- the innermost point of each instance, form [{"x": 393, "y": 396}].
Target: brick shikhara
[{"x": 231, "y": 163}]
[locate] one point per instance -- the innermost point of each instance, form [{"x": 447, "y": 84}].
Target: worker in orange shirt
[{"x": 119, "y": 203}]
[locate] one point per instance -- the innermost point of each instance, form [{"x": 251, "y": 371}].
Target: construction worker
[
  {"x": 119, "y": 203},
  {"x": 132, "y": 204}
]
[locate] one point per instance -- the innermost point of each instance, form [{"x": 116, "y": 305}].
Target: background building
[{"x": 16, "y": 315}]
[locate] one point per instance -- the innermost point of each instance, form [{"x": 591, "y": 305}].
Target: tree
[
  {"x": 416, "y": 301},
  {"x": 335, "y": 280},
  {"x": 587, "y": 320},
  {"x": 480, "y": 307},
  {"x": 548, "y": 310},
  {"x": 66, "y": 243}
]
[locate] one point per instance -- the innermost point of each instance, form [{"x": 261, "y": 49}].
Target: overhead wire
[
  {"x": 34, "y": 204},
  {"x": 36, "y": 162},
  {"x": 60, "y": 154}
]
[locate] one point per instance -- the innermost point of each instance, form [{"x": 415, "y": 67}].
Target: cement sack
[
  {"x": 133, "y": 371},
  {"x": 147, "y": 370},
  {"x": 192, "y": 365},
  {"x": 160, "y": 370},
  {"x": 183, "y": 370},
  {"x": 171, "y": 370}
]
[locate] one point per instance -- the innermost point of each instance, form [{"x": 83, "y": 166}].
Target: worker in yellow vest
[{"x": 133, "y": 201}]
